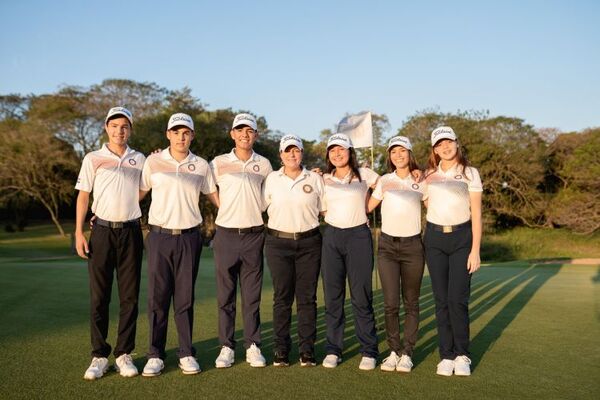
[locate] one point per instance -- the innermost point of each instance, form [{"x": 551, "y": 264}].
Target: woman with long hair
[
  {"x": 400, "y": 258},
  {"x": 347, "y": 252},
  {"x": 294, "y": 198},
  {"x": 452, "y": 242}
]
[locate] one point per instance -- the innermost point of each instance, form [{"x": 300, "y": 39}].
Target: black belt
[
  {"x": 116, "y": 225},
  {"x": 400, "y": 238},
  {"x": 295, "y": 235},
  {"x": 239, "y": 231},
  {"x": 449, "y": 228},
  {"x": 154, "y": 228}
]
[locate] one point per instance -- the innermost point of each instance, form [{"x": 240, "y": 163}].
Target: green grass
[{"x": 535, "y": 330}]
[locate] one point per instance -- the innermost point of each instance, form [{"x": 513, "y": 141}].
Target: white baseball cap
[
  {"x": 180, "y": 119},
  {"x": 244, "y": 119},
  {"x": 400, "y": 141},
  {"x": 339, "y": 139},
  {"x": 290, "y": 140},
  {"x": 443, "y": 132},
  {"x": 119, "y": 111}
]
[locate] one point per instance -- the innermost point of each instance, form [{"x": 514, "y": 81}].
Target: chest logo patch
[
  {"x": 256, "y": 168},
  {"x": 415, "y": 186},
  {"x": 458, "y": 177},
  {"x": 307, "y": 188},
  {"x": 191, "y": 167},
  {"x": 131, "y": 161}
]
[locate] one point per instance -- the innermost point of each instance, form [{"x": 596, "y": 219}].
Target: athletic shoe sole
[
  {"x": 152, "y": 375},
  {"x": 93, "y": 378}
]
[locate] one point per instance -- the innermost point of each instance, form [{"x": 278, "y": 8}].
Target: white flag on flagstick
[{"x": 359, "y": 128}]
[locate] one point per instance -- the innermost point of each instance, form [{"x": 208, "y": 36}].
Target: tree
[{"x": 33, "y": 162}]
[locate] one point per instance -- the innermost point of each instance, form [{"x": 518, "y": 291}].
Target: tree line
[{"x": 536, "y": 178}]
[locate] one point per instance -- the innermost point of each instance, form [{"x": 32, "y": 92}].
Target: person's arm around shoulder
[
  {"x": 475, "y": 197},
  {"x": 210, "y": 187},
  {"x": 81, "y": 244},
  {"x": 376, "y": 197}
]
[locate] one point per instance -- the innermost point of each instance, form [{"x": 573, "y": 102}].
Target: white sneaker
[
  {"x": 189, "y": 365},
  {"x": 462, "y": 366},
  {"x": 96, "y": 369},
  {"x": 331, "y": 361},
  {"x": 445, "y": 367},
  {"x": 390, "y": 363},
  {"x": 226, "y": 358},
  {"x": 405, "y": 364},
  {"x": 124, "y": 365},
  {"x": 254, "y": 357},
  {"x": 153, "y": 367},
  {"x": 367, "y": 363}
]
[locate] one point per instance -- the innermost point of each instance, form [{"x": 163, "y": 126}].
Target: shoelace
[
  {"x": 405, "y": 360},
  {"x": 465, "y": 359},
  {"x": 95, "y": 363},
  {"x": 391, "y": 357},
  {"x": 154, "y": 362},
  {"x": 126, "y": 359}
]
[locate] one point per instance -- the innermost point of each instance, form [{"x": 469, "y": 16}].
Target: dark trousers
[
  {"x": 172, "y": 270},
  {"x": 401, "y": 262},
  {"x": 349, "y": 253},
  {"x": 294, "y": 266},
  {"x": 110, "y": 249},
  {"x": 238, "y": 255},
  {"x": 447, "y": 255}
]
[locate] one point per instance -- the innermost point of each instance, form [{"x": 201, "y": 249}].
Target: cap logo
[
  {"x": 440, "y": 131},
  {"x": 307, "y": 188},
  {"x": 132, "y": 161},
  {"x": 180, "y": 118},
  {"x": 338, "y": 137},
  {"x": 256, "y": 168},
  {"x": 288, "y": 137},
  {"x": 191, "y": 167}
]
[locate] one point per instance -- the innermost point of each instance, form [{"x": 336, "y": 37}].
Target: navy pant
[
  {"x": 401, "y": 262},
  {"x": 294, "y": 266},
  {"x": 113, "y": 249},
  {"x": 348, "y": 253},
  {"x": 238, "y": 256},
  {"x": 447, "y": 255},
  {"x": 172, "y": 270}
]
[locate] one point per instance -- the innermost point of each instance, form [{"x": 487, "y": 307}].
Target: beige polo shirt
[
  {"x": 345, "y": 200},
  {"x": 400, "y": 204},
  {"x": 176, "y": 188},
  {"x": 114, "y": 183},
  {"x": 449, "y": 202},
  {"x": 240, "y": 189},
  {"x": 293, "y": 205}
]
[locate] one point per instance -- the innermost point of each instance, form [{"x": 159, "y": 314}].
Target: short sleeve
[
  {"x": 213, "y": 167},
  {"x": 209, "y": 186},
  {"x": 474, "y": 180},
  {"x": 320, "y": 193},
  {"x": 266, "y": 193},
  {"x": 145, "y": 182},
  {"x": 85, "y": 180},
  {"x": 369, "y": 176},
  {"x": 378, "y": 192}
]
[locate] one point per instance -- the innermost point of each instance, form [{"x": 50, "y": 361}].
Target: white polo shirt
[
  {"x": 176, "y": 188},
  {"x": 114, "y": 181},
  {"x": 345, "y": 201},
  {"x": 449, "y": 202},
  {"x": 293, "y": 204},
  {"x": 401, "y": 204},
  {"x": 240, "y": 189}
]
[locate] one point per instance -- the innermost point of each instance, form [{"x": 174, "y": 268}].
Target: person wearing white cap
[
  {"x": 239, "y": 239},
  {"x": 452, "y": 241},
  {"x": 113, "y": 175},
  {"x": 347, "y": 252},
  {"x": 294, "y": 197},
  {"x": 400, "y": 258},
  {"x": 176, "y": 177}
]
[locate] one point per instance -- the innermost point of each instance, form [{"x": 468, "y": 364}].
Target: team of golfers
[{"x": 242, "y": 185}]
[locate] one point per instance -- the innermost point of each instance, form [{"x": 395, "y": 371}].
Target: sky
[{"x": 303, "y": 65}]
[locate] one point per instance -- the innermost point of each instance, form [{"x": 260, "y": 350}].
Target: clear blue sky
[{"x": 304, "y": 64}]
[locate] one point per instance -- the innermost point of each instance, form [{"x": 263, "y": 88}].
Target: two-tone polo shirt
[
  {"x": 449, "y": 202},
  {"x": 240, "y": 189},
  {"x": 114, "y": 183},
  {"x": 345, "y": 199},
  {"x": 293, "y": 205},
  {"x": 401, "y": 204},
  {"x": 176, "y": 187}
]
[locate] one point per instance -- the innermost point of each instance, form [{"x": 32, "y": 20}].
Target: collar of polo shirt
[
  {"x": 304, "y": 171},
  {"x": 106, "y": 150},
  {"x": 166, "y": 155},
  {"x": 453, "y": 168},
  {"x": 254, "y": 157}
]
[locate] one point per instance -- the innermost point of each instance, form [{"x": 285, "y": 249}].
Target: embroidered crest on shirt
[
  {"x": 458, "y": 177},
  {"x": 307, "y": 188},
  {"x": 132, "y": 161},
  {"x": 415, "y": 186},
  {"x": 256, "y": 168},
  {"x": 191, "y": 167}
]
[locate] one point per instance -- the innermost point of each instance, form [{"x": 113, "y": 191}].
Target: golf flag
[{"x": 359, "y": 129}]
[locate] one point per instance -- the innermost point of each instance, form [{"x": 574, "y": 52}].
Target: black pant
[
  {"x": 447, "y": 255},
  {"x": 349, "y": 253},
  {"x": 110, "y": 249},
  {"x": 172, "y": 270},
  {"x": 400, "y": 262},
  {"x": 239, "y": 255},
  {"x": 294, "y": 266}
]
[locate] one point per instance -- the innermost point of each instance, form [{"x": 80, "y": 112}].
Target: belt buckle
[
  {"x": 239, "y": 231},
  {"x": 295, "y": 236},
  {"x": 447, "y": 228},
  {"x": 116, "y": 225},
  {"x": 175, "y": 231}
]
